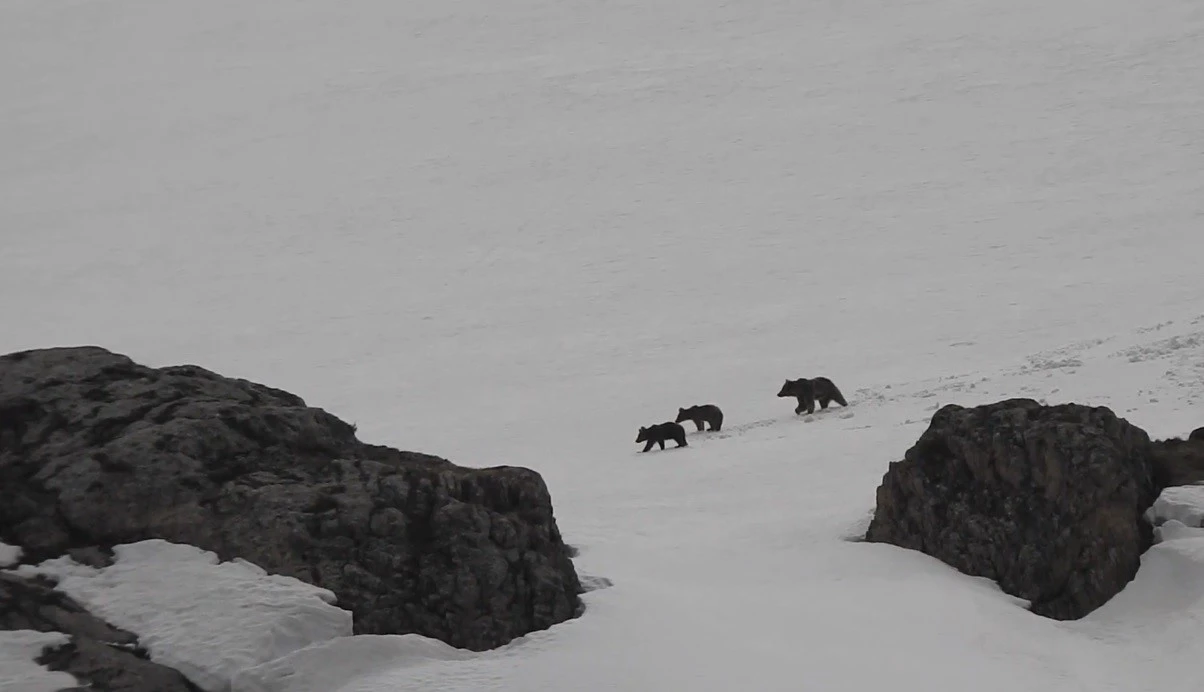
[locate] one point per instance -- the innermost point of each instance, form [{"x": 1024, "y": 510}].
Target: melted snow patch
[
  {"x": 18, "y": 669},
  {"x": 205, "y": 618},
  {"x": 9, "y": 554},
  {"x": 349, "y": 664}
]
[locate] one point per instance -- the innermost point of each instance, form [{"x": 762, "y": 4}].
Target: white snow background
[{"x": 514, "y": 233}]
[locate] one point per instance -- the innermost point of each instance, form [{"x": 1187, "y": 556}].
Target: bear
[
  {"x": 657, "y": 434},
  {"x": 702, "y": 413},
  {"x": 810, "y": 390}
]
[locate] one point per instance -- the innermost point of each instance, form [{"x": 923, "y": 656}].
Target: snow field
[
  {"x": 229, "y": 626},
  {"x": 513, "y": 237},
  {"x": 724, "y": 576},
  {"x": 344, "y": 664}
]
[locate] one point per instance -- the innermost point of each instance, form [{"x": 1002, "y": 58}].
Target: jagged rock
[
  {"x": 1048, "y": 501},
  {"x": 101, "y": 657},
  {"x": 96, "y": 450}
]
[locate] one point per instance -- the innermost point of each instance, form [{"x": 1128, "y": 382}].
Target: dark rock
[
  {"x": 106, "y": 451},
  {"x": 1178, "y": 462},
  {"x": 1048, "y": 501},
  {"x": 1197, "y": 434},
  {"x": 101, "y": 657}
]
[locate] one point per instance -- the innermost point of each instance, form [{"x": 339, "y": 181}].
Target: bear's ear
[
  {"x": 642, "y": 428},
  {"x": 681, "y": 410}
]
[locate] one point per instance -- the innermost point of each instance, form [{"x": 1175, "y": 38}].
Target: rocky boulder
[
  {"x": 96, "y": 450},
  {"x": 1048, "y": 501},
  {"x": 1179, "y": 462}
]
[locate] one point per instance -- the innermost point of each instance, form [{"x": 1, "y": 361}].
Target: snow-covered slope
[
  {"x": 513, "y": 235},
  {"x": 205, "y": 618}
]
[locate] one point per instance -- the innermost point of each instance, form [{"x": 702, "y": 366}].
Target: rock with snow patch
[
  {"x": 95, "y": 653},
  {"x": 20, "y": 669},
  {"x": 1046, "y": 500},
  {"x": 205, "y": 618},
  {"x": 96, "y": 450}
]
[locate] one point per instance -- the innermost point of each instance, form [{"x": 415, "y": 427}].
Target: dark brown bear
[
  {"x": 703, "y": 413},
  {"x": 810, "y": 390},
  {"x": 657, "y": 434}
]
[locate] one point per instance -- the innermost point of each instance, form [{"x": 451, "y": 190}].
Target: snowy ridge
[{"x": 208, "y": 619}]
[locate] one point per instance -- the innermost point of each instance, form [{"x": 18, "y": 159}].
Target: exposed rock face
[
  {"x": 1046, "y": 500},
  {"x": 99, "y": 656},
  {"x": 96, "y": 450}
]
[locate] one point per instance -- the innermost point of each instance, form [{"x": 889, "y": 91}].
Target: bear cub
[
  {"x": 657, "y": 434},
  {"x": 703, "y": 413},
  {"x": 810, "y": 390}
]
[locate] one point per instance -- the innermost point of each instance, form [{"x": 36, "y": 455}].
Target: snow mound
[
  {"x": 1184, "y": 504},
  {"x": 205, "y": 618},
  {"x": 18, "y": 670},
  {"x": 9, "y": 554},
  {"x": 349, "y": 664}
]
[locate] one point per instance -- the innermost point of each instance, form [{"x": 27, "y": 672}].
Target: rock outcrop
[
  {"x": 1179, "y": 462},
  {"x": 1048, "y": 501},
  {"x": 101, "y": 657},
  {"x": 96, "y": 450}
]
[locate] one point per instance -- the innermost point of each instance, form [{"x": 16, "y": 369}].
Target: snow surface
[
  {"x": 514, "y": 235},
  {"x": 206, "y": 618},
  {"x": 19, "y": 672},
  {"x": 362, "y": 662},
  {"x": 9, "y": 554}
]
